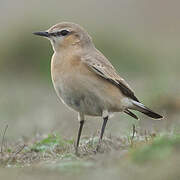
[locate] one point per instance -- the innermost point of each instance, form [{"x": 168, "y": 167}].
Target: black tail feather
[
  {"x": 143, "y": 109},
  {"x": 127, "y": 111},
  {"x": 151, "y": 114}
]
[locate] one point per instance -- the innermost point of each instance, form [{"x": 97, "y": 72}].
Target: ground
[{"x": 142, "y": 156}]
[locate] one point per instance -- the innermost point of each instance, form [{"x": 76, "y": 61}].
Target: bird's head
[{"x": 66, "y": 35}]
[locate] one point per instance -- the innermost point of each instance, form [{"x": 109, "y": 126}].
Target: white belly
[{"x": 81, "y": 100}]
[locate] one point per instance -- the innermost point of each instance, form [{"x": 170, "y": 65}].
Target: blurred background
[{"x": 140, "y": 38}]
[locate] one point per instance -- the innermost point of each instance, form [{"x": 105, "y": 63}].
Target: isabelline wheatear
[{"x": 85, "y": 80}]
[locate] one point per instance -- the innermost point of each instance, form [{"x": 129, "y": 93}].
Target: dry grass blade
[
  {"x": 16, "y": 153},
  {"x": 3, "y": 137},
  {"x": 134, "y": 131}
]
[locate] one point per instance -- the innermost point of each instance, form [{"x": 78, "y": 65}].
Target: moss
[
  {"x": 50, "y": 142},
  {"x": 161, "y": 148}
]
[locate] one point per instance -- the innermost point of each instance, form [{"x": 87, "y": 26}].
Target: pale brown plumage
[{"x": 85, "y": 80}]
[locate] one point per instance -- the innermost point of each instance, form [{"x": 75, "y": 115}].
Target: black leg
[
  {"x": 79, "y": 135},
  {"x": 105, "y": 119}
]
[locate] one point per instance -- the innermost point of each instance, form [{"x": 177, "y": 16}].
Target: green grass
[
  {"x": 50, "y": 142},
  {"x": 160, "y": 148}
]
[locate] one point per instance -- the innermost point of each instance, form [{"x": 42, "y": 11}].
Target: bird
[{"x": 86, "y": 81}]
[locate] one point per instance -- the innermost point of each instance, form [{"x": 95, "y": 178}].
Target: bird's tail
[{"x": 143, "y": 109}]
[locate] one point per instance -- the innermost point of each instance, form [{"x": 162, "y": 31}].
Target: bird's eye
[{"x": 63, "y": 33}]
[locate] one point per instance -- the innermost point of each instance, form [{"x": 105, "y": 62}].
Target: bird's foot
[
  {"x": 98, "y": 148},
  {"x": 77, "y": 152}
]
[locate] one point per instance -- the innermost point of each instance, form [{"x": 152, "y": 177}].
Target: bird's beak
[{"x": 44, "y": 34}]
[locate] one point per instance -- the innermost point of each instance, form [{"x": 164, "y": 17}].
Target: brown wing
[{"x": 104, "y": 68}]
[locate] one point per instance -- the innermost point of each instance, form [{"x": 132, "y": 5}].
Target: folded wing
[{"x": 99, "y": 64}]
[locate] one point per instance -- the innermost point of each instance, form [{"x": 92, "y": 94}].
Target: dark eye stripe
[
  {"x": 60, "y": 33},
  {"x": 64, "y": 32},
  {"x": 53, "y": 34}
]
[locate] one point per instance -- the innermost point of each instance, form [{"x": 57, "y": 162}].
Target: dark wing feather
[
  {"x": 126, "y": 91},
  {"x": 103, "y": 67}
]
